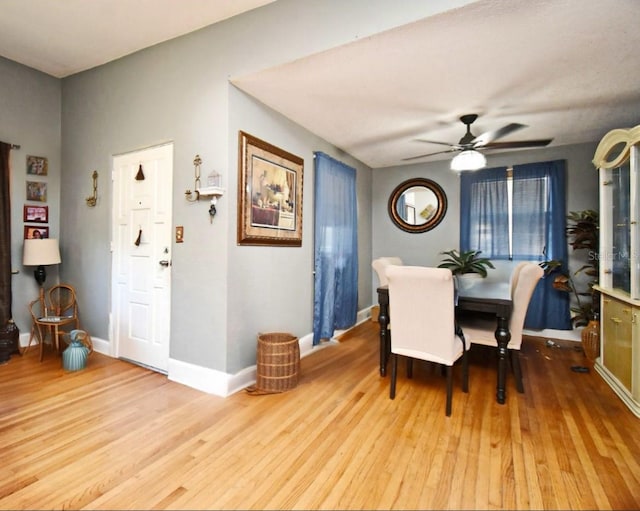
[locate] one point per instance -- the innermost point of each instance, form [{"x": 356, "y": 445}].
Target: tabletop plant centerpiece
[{"x": 467, "y": 266}]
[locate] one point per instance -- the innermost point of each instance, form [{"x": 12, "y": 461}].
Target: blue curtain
[
  {"x": 484, "y": 214},
  {"x": 545, "y": 182},
  {"x": 335, "y": 303},
  {"x": 538, "y": 227}
]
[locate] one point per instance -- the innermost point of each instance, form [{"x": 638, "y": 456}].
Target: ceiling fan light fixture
[{"x": 469, "y": 159}]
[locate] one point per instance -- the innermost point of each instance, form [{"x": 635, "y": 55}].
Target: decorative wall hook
[
  {"x": 140, "y": 174},
  {"x": 92, "y": 201},
  {"x": 212, "y": 189}
]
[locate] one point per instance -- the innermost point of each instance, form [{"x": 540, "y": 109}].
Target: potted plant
[
  {"x": 582, "y": 232},
  {"x": 466, "y": 266}
]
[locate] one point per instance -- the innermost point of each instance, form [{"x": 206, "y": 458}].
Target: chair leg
[
  {"x": 394, "y": 373},
  {"x": 517, "y": 371},
  {"x": 465, "y": 371},
  {"x": 31, "y": 337},
  {"x": 409, "y": 367},
  {"x": 56, "y": 339},
  {"x": 40, "y": 338},
  {"x": 449, "y": 389}
]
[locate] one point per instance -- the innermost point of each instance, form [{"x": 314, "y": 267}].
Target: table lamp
[{"x": 41, "y": 253}]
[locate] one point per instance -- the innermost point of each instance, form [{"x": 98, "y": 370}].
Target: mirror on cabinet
[{"x": 417, "y": 205}]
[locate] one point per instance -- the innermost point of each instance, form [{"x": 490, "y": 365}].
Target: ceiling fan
[{"x": 469, "y": 146}]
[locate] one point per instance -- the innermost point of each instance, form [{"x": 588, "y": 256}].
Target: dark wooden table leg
[
  {"x": 383, "y": 320},
  {"x": 503, "y": 336}
]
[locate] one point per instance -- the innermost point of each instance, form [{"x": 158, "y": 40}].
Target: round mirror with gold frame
[{"x": 417, "y": 205}]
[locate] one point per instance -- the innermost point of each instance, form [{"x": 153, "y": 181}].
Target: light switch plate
[{"x": 179, "y": 234}]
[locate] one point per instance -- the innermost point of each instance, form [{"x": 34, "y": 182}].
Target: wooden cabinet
[
  {"x": 617, "y": 158},
  {"x": 617, "y": 334},
  {"x": 619, "y": 361}
]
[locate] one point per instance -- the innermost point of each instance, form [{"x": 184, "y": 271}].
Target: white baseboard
[
  {"x": 212, "y": 381},
  {"x": 566, "y": 335},
  {"x": 224, "y": 384},
  {"x": 99, "y": 345}
]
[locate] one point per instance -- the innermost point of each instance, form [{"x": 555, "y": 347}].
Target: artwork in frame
[
  {"x": 35, "y": 232},
  {"x": 36, "y": 214},
  {"x": 37, "y": 166},
  {"x": 37, "y": 191},
  {"x": 269, "y": 194}
]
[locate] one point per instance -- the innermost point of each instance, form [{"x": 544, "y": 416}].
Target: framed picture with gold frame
[
  {"x": 269, "y": 194},
  {"x": 37, "y": 191},
  {"x": 37, "y": 165}
]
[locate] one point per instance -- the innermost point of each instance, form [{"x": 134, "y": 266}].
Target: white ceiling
[
  {"x": 569, "y": 69},
  {"x": 63, "y": 37}
]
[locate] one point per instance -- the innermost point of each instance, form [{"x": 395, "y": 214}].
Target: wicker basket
[{"x": 278, "y": 363}]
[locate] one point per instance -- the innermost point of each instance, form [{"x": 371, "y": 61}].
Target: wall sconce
[
  {"x": 92, "y": 201},
  {"x": 213, "y": 188},
  {"x": 197, "y": 161}
]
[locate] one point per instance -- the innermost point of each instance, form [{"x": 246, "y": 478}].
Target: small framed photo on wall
[
  {"x": 38, "y": 214},
  {"x": 37, "y": 191},
  {"x": 35, "y": 232},
  {"x": 37, "y": 166}
]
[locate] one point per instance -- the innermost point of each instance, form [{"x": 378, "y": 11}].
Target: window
[
  {"x": 505, "y": 214},
  {"x": 520, "y": 214},
  {"x": 484, "y": 212}
]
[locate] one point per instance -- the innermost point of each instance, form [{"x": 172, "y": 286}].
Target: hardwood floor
[{"x": 117, "y": 436}]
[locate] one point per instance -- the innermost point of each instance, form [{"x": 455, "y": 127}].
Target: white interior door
[{"x": 141, "y": 290}]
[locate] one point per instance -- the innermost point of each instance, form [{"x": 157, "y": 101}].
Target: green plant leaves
[{"x": 468, "y": 261}]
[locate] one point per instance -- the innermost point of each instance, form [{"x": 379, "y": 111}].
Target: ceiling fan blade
[
  {"x": 520, "y": 144},
  {"x": 490, "y": 136},
  {"x": 434, "y": 142},
  {"x": 430, "y": 154}
]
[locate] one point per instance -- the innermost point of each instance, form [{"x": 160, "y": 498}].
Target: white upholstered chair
[
  {"x": 481, "y": 330},
  {"x": 424, "y": 322},
  {"x": 515, "y": 273},
  {"x": 380, "y": 265}
]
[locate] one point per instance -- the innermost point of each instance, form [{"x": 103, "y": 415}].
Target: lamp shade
[
  {"x": 41, "y": 252},
  {"x": 468, "y": 160}
]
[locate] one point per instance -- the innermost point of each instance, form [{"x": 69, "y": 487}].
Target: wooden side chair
[
  {"x": 63, "y": 303},
  {"x": 45, "y": 326}
]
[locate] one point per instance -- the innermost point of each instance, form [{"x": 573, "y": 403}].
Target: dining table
[{"x": 486, "y": 296}]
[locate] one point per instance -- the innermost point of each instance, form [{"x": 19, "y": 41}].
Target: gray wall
[
  {"x": 273, "y": 288},
  {"x": 222, "y": 295},
  {"x": 425, "y": 248},
  {"x": 30, "y": 117}
]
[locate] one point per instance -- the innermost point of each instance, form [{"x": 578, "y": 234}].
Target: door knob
[{"x": 164, "y": 262}]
